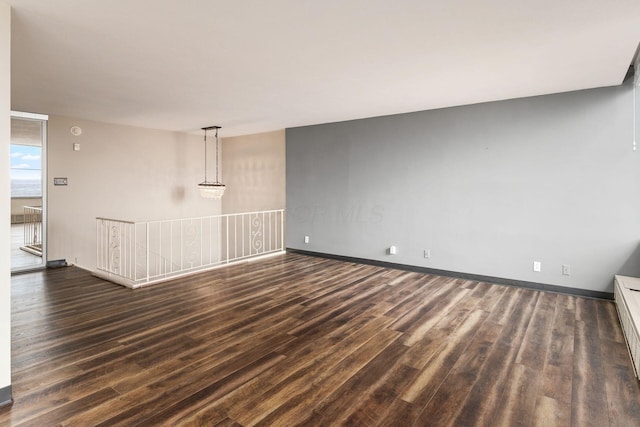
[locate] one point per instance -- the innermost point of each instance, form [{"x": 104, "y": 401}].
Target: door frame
[{"x": 44, "y": 119}]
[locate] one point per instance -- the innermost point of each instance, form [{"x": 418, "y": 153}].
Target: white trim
[
  {"x": 24, "y": 115},
  {"x": 44, "y": 177}
]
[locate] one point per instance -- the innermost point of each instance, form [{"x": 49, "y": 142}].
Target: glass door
[{"x": 28, "y": 191}]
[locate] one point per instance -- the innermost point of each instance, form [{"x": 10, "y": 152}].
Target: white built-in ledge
[{"x": 627, "y": 295}]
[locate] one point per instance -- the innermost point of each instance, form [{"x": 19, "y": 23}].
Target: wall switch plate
[
  {"x": 76, "y": 147},
  {"x": 60, "y": 181},
  {"x": 427, "y": 253},
  {"x": 306, "y": 239},
  {"x": 566, "y": 269},
  {"x": 537, "y": 266}
]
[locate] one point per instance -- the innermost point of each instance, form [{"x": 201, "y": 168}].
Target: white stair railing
[{"x": 134, "y": 254}]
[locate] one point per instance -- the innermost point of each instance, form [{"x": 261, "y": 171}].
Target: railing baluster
[
  {"x": 227, "y": 236},
  {"x": 270, "y": 246},
  {"x": 135, "y": 253},
  {"x": 161, "y": 266},
  {"x": 170, "y": 238},
  {"x": 98, "y": 245},
  {"x": 210, "y": 240},
  {"x": 148, "y": 252},
  {"x": 32, "y": 229},
  {"x": 123, "y": 250}
]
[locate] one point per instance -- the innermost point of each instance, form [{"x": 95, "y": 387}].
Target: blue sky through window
[{"x": 26, "y": 171}]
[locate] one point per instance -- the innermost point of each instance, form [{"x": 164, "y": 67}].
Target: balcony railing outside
[
  {"x": 139, "y": 253},
  {"x": 33, "y": 230}
]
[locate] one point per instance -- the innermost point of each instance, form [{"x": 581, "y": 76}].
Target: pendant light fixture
[{"x": 211, "y": 190}]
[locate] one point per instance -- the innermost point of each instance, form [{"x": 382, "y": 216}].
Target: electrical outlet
[
  {"x": 306, "y": 239},
  {"x": 427, "y": 253},
  {"x": 537, "y": 266},
  {"x": 566, "y": 269},
  {"x": 393, "y": 250}
]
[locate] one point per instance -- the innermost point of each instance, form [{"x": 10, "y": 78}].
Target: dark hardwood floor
[{"x": 296, "y": 340}]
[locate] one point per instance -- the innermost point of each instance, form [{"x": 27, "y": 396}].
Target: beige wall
[
  {"x": 5, "y": 236},
  {"x": 253, "y": 169},
  {"x": 120, "y": 172}
]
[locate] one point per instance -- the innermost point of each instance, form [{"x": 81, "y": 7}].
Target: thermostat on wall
[
  {"x": 59, "y": 181},
  {"x": 76, "y": 130}
]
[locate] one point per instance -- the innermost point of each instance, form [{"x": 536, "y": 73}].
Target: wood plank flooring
[{"x": 296, "y": 340}]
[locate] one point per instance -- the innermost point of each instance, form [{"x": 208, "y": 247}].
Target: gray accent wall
[{"x": 487, "y": 189}]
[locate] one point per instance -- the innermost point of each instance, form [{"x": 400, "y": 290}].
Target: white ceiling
[{"x": 254, "y": 66}]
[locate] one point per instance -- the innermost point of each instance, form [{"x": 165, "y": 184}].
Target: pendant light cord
[{"x": 217, "y": 156}]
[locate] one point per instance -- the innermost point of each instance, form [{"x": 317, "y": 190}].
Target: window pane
[{"x": 26, "y": 171}]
